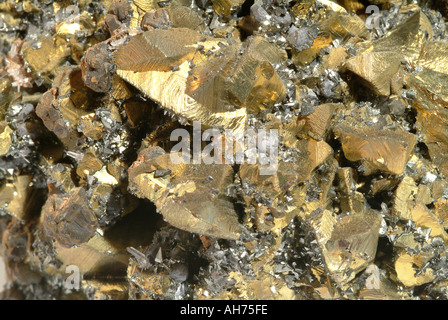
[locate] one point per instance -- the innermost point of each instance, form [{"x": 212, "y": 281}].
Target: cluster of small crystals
[{"x": 90, "y": 92}]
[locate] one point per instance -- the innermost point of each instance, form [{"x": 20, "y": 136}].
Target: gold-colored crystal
[
  {"x": 302, "y": 7},
  {"x": 159, "y": 50},
  {"x": 375, "y": 69},
  {"x": 288, "y": 174},
  {"x": 408, "y": 38},
  {"x": 9, "y": 17},
  {"x": 351, "y": 5},
  {"x": 62, "y": 107},
  {"x": 409, "y": 269},
  {"x": 351, "y": 200},
  {"x": 324, "y": 182},
  {"x": 431, "y": 99},
  {"x": 91, "y": 127},
  {"x": 378, "y": 286},
  {"x": 7, "y": 93},
  {"x": 139, "y": 9},
  {"x": 19, "y": 197},
  {"x": 434, "y": 56},
  {"x": 218, "y": 90},
  {"x": 409, "y": 205},
  {"x": 437, "y": 189},
  {"x": 384, "y": 184},
  {"x": 173, "y": 17},
  {"x": 46, "y": 56},
  {"x": 384, "y": 150},
  {"x": 266, "y": 287},
  {"x": 97, "y": 257},
  {"x": 120, "y": 89},
  {"x": 406, "y": 240},
  {"x": 107, "y": 290},
  {"x": 178, "y": 192},
  {"x": 5, "y": 138},
  {"x": 61, "y": 178},
  {"x": 318, "y": 122},
  {"x": 335, "y": 59},
  {"x": 155, "y": 78},
  {"x": 332, "y": 6},
  {"x": 82, "y": 24},
  {"x": 226, "y": 7},
  {"x": 379, "y": 60},
  {"x": 404, "y": 197},
  {"x": 424, "y": 195},
  {"x": 29, "y": 7},
  {"x": 345, "y": 26},
  {"x": 441, "y": 212},
  {"x": 308, "y": 55},
  {"x": 89, "y": 164},
  {"x": 136, "y": 111},
  {"x": 264, "y": 87},
  {"x": 229, "y": 31},
  {"x": 348, "y": 243},
  {"x": 424, "y": 218}
]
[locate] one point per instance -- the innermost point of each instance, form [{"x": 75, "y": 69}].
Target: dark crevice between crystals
[
  {"x": 359, "y": 87},
  {"x": 384, "y": 253},
  {"x": 378, "y": 199},
  {"x": 136, "y": 228},
  {"x": 245, "y": 8},
  {"x": 422, "y": 148}
]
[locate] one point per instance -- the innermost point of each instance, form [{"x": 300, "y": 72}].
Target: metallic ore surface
[{"x": 92, "y": 205}]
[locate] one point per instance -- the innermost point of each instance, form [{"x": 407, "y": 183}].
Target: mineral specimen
[
  {"x": 68, "y": 218},
  {"x": 312, "y": 161},
  {"x": 383, "y": 150},
  {"x": 179, "y": 193}
]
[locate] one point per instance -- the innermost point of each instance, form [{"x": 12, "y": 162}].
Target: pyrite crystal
[{"x": 98, "y": 99}]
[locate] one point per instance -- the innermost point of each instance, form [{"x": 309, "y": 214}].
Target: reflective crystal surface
[{"x": 224, "y": 149}]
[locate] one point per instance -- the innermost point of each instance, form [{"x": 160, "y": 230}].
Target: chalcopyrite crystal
[{"x": 345, "y": 101}]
